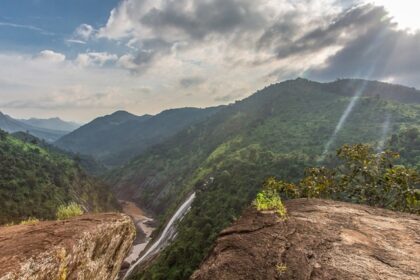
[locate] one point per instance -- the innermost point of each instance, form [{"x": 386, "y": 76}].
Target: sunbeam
[
  {"x": 385, "y": 131},
  {"x": 342, "y": 120}
]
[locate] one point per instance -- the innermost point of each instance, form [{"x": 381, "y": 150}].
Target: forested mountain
[
  {"x": 86, "y": 162},
  {"x": 275, "y": 132},
  {"x": 11, "y": 125},
  {"x": 34, "y": 181},
  {"x": 52, "y": 123},
  {"x": 116, "y": 138}
]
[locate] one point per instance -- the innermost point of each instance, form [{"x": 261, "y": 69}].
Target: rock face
[
  {"x": 319, "y": 240},
  {"x": 88, "y": 247}
]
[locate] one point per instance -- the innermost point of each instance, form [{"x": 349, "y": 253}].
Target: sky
[{"x": 83, "y": 58}]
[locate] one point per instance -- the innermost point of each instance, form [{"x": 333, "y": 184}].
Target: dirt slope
[
  {"x": 88, "y": 247},
  {"x": 319, "y": 240}
]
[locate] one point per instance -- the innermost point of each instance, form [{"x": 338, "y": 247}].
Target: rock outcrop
[
  {"x": 319, "y": 240},
  {"x": 89, "y": 247}
]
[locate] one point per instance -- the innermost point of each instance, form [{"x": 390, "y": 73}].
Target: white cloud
[
  {"x": 95, "y": 59},
  {"x": 84, "y": 31},
  {"x": 126, "y": 61},
  {"x": 51, "y": 56},
  {"x": 120, "y": 23}
]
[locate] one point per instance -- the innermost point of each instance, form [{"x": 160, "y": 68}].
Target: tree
[{"x": 362, "y": 177}]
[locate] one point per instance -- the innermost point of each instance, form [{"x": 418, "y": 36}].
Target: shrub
[
  {"x": 270, "y": 200},
  {"x": 68, "y": 211},
  {"x": 363, "y": 176},
  {"x": 29, "y": 221}
]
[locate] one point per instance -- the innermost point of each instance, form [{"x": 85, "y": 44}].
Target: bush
[
  {"x": 68, "y": 211},
  {"x": 270, "y": 200},
  {"x": 362, "y": 177},
  {"x": 29, "y": 221}
]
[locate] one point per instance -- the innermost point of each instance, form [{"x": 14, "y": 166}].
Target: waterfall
[{"x": 166, "y": 236}]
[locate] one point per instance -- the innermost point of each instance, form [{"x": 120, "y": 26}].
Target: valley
[
  {"x": 209, "y": 140},
  {"x": 144, "y": 226},
  {"x": 195, "y": 178}
]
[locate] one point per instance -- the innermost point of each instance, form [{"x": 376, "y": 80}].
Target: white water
[{"x": 166, "y": 236}]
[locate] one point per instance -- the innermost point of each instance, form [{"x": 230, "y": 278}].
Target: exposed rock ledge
[
  {"x": 320, "y": 240},
  {"x": 88, "y": 247}
]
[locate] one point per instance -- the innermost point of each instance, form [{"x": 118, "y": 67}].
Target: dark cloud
[
  {"x": 287, "y": 38},
  {"x": 148, "y": 50},
  {"x": 205, "y": 17},
  {"x": 191, "y": 82},
  {"x": 366, "y": 41},
  {"x": 377, "y": 51}
]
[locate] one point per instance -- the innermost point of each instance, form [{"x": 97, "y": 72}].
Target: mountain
[
  {"x": 117, "y": 138},
  {"x": 52, "y": 124},
  {"x": 35, "y": 181},
  {"x": 277, "y": 131},
  {"x": 86, "y": 162},
  {"x": 11, "y": 125}
]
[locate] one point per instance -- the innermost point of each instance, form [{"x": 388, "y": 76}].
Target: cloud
[
  {"x": 51, "y": 56},
  {"x": 226, "y": 49},
  {"x": 378, "y": 50},
  {"x": 28, "y": 27},
  {"x": 323, "y": 39},
  {"x": 84, "y": 32},
  {"x": 157, "y": 29},
  {"x": 191, "y": 82},
  {"x": 95, "y": 59}
]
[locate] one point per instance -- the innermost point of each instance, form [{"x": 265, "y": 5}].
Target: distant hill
[
  {"x": 278, "y": 131},
  {"x": 116, "y": 138},
  {"x": 52, "y": 124},
  {"x": 35, "y": 181},
  {"x": 86, "y": 162},
  {"x": 11, "y": 125}
]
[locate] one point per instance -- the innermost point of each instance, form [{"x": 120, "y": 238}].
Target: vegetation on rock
[{"x": 68, "y": 211}]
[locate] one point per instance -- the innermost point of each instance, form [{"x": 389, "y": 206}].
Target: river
[{"x": 144, "y": 226}]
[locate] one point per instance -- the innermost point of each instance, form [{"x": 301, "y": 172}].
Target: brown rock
[
  {"x": 319, "y": 240},
  {"x": 88, "y": 247}
]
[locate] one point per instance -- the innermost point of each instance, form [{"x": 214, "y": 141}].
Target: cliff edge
[
  {"x": 320, "y": 239},
  {"x": 88, "y": 247}
]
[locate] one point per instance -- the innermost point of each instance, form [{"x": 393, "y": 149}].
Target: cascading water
[{"x": 166, "y": 236}]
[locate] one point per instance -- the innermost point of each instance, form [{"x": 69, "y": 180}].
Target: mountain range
[
  {"x": 115, "y": 139},
  {"x": 222, "y": 154},
  {"x": 47, "y": 129},
  {"x": 52, "y": 124},
  {"x": 278, "y": 131}
]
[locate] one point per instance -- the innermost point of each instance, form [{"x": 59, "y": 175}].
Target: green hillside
[
  {"x": 277, "y": 132},
  {"x": 34, "y": 181},
  {"x": 117, "y": 138}
]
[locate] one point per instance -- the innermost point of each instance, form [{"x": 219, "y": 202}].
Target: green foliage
[
  {"x": 276, "y": 132},
  {"x": 407, "y": 144},
  {"x": 269, "y": 199},
  {"x": 29, "y": 221},
  {"x": 362, "y": 177},
  {"x": 69, "y": 211},
  {"x": 34, "y": 181}
]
